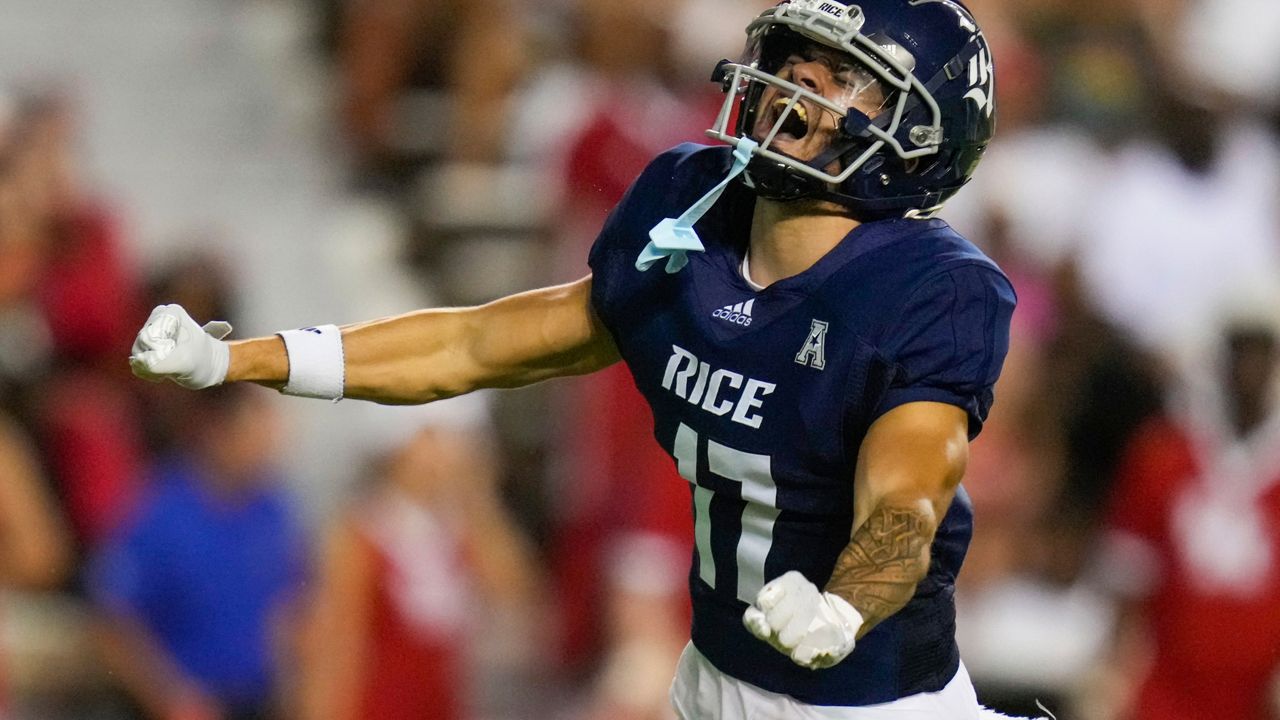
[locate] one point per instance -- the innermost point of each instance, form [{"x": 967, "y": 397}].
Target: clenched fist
[
  {"x": 815, "y": 629},
  {"x": 171, "y": 345}
]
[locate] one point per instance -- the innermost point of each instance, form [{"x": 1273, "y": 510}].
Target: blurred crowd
[{"x": 525, "y": 555}]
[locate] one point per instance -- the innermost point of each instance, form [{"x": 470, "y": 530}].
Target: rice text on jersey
[{"x": 708, "y": 389}]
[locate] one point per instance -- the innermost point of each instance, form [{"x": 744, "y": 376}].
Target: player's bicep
[
  {"x": 913, "y": 454},
  {"x": 542, "y": 334}
]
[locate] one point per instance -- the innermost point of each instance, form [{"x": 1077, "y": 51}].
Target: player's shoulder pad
[
  {"x": 689, "y": 159},
  {"x": 940, "y": 250},
  {"x": 676, "y": 178},
  {"x": 927, "y": 263},
  {"x": 667, "y": 186},
  {"x": 950, "y": 249}
]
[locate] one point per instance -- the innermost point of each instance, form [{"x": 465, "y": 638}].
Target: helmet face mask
[
  {"x": 851, "y": 104},
  {"x": 798, "y": 103}
]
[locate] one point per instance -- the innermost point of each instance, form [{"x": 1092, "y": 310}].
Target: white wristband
[{"x": 316, "y": 367}]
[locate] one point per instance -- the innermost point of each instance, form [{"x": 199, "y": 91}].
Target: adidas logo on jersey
[{"x": 739, "y": 314}]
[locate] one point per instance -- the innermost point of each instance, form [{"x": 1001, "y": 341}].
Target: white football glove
[
  {"x": 171, "y": 345},
  {"x": 815, "y": 629}
]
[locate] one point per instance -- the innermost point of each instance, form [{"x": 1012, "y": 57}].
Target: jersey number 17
[{"x": 760, "y": 512}]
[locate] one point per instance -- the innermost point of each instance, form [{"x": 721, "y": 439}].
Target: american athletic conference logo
[{"x": 739, "y": 314}]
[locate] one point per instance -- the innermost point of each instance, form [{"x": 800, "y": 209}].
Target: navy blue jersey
[{"x": 763, "y": 399}]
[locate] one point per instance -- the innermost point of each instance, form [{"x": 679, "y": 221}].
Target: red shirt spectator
[{"x": 1202, "y": 514}]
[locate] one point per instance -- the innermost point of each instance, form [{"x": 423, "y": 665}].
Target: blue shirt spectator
[{"x": 205, "y": 570}]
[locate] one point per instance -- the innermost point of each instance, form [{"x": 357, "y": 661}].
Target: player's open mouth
[{"x": 795, "y": 125}]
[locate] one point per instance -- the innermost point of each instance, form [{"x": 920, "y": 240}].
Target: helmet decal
[{"x": 981, "y": 78}]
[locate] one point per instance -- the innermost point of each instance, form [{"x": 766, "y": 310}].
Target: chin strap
[{"x": 674, "y": 238}]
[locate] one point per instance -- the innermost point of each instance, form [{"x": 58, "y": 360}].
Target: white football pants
[{"x": 701, "y": 692}]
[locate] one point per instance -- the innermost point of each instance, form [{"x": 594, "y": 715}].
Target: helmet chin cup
[{"x": 772, "y": 180}]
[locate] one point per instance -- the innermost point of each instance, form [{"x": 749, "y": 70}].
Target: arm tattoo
[{"x": 879, "y": 569}]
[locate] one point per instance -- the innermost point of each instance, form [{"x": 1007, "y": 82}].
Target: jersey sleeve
[
  {"x": 668, "y": 185},
  {"x": 950, "y": 342},
  {"x": 608, "y": 259}
]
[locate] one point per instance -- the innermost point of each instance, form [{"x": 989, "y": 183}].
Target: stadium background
[{"x": 280, "y": 163}]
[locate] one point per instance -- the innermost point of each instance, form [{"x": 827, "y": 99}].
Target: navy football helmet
[{"x": 931, "y": 72}]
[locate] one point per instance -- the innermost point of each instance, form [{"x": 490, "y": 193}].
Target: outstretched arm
[
  {"x": 908, "y": 468},
  {"x": 432, "y": 354}
]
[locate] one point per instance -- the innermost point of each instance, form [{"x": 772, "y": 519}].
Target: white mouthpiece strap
[{"x": 316, "y": 368}]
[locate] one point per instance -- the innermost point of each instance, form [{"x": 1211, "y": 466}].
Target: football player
[{"x": 818, "y": 351}]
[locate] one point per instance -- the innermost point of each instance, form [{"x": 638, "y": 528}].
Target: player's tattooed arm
[
  {"x": 909, "y": 466},
  {"x": 887, "y": 556}
]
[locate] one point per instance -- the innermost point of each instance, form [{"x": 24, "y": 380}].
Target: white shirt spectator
[
  {"x": 1163, "y": 249},
  {"x": 1234, "y": 45},
  {"x": 1039, "y": 180}
]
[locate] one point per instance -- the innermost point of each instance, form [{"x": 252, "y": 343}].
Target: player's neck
[{"x": 788, "y": 238}]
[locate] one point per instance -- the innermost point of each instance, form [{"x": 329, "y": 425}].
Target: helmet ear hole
[{"x": 873, "y": 164}]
